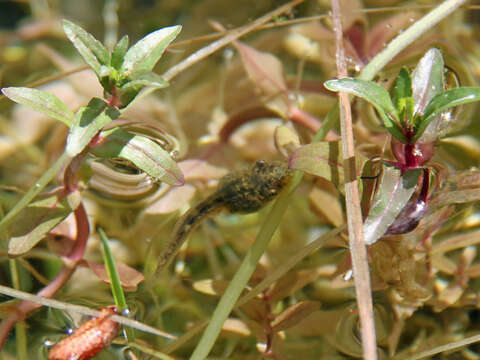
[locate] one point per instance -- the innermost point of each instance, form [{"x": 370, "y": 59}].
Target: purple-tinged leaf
[
  {"x": 142, "y": 57},
  {"x": 394, "y": 192},
  {"x": 322, "y": 159},
  {"x": 34, "y": 223},
  {"x": 42, "y": 102},
  {"x": 144, "y": 153}
]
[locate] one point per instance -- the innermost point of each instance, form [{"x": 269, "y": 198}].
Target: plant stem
[
  {"x": 227, "y": 39},
  {"x": 34, "y": 190},
  {"x": 20, "y": 328},
  {"x": 244, "y": 272},
  {"x": 358, "y": 249},
  {"x": 408, "y": 36}
]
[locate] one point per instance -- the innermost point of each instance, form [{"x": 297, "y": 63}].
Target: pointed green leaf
[
  {"x": 88, "y": 122},
  {"x": 146, "y": 154},
  {"x": 444, "y": 101},
  {"x": 427, "y": 79},
  {"x": 375, "y": 95},
  {"x": 112, "y": 272},
  {"x": 42, "y": 102},
  {"x": 92, "y": 51},
  {"x": 403, "y": 86},
  {"x": 394, "y": 192},
  {"x": 143, "y": 56},
  {"x": 119, "y": 52},
  {"x": 35, "y": 222},
  {"x": 402, "y": 95}
]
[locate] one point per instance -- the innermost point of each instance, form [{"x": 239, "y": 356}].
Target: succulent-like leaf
[
  {"x": 394, "y": 192},
  {"x": 89, "y": 121},
  {"x": 119, "y": 52},
  {"x": 92, "y": 50},
  {"x": 34, "y": 223},
  {"x": 42, "y": 102},
  {"x": 375, "y": 95},
  {"x": 444, "y": 101},
  {"x": 322, "y": 159},
  {"x": 143, "y": 56},
  {"x": 146, "y": 154},
  {"x": 427, "y": 79}
]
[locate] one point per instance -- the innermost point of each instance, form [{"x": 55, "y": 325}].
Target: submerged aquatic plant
[
  {"x": 127, "y": 152},
  {"x": 416, "y": 115}
]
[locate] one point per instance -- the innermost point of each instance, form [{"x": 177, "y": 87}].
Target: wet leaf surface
[{"x": 394, "y": 193}]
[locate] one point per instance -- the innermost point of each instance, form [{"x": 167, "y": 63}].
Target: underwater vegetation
[{"x": 250, "y": 180}]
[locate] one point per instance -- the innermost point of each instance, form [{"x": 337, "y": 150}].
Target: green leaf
[
  {"x": 444, "y": 101},
  {"x": 323, "y": 159},
  {"x": 427, "y": 79},
  {"x": 146, "y": 154},
  {"x": 92, "y": 51},
  {"x": 42, "y": 102},
  {"x": 143, "y": 56},
  {"x": 130, "y": 90},
  {"x": 119, "y": 52},
  {"x": 88, "y": 122},
  {"x": 394, "y": 192},
  {"x": 112, "y": 272},
  {"x": 375, "y": 95},
  {"x": 402, "y": 95},
  {"x": 35, "y": 222}
]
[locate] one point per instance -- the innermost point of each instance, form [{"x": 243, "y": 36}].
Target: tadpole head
[
  {"x": 274, "y": 175},
  {"x": 251, "y": 189}
]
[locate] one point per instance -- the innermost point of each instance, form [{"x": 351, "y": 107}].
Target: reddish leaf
[
  {"x": 200, "y": 169},
  {"x": 294, "y": 315},
  {"x": 129, "y": 277},
  {"x": 172, "y": 201},
  {"x": 264, "y": 69}
]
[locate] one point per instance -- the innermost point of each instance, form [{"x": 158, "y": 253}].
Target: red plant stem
[
  {"x": 70, "y": 264},
  {"x": 303, "y": 118}
]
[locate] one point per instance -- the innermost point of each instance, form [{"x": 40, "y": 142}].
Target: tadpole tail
[{"x": 184, "y": 226}]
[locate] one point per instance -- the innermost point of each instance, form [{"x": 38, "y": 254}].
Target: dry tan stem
[
  {"x": 354, "y": 216},
  {"x": 232, "y": 35}
]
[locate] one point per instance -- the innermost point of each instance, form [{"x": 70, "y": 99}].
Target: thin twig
[
  {"x": 358, "y": 248},
  {"x": 233, "y": 35}
]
